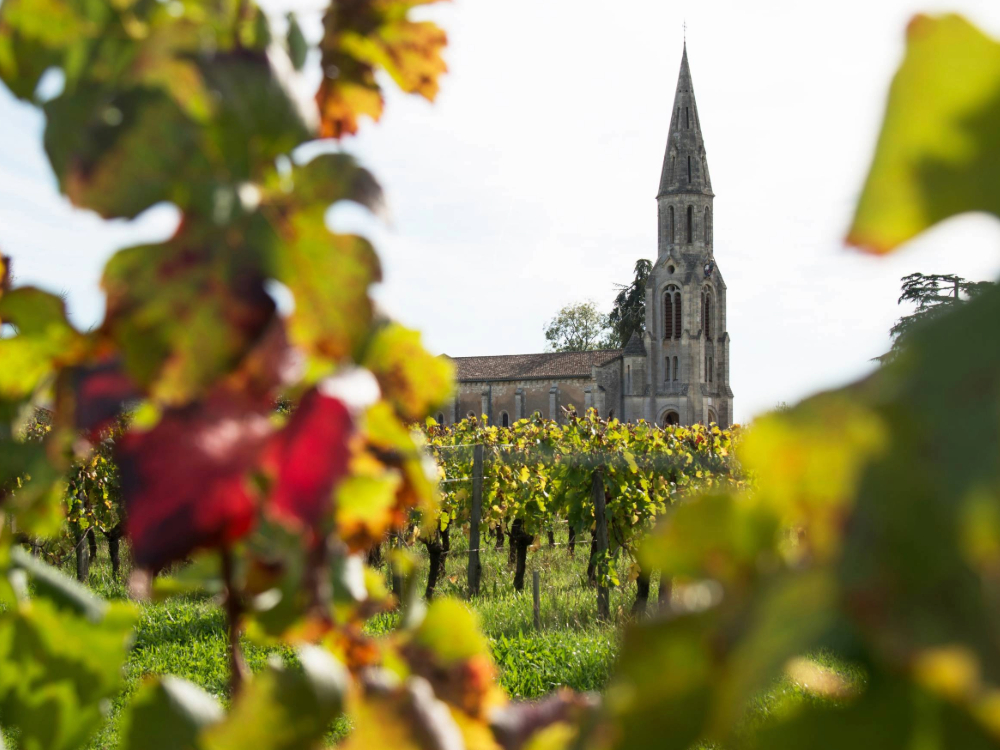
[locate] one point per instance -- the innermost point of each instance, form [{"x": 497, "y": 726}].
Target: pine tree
[
  {"x": 933, "y": 295},
  {"x": 628, "y": 315}
]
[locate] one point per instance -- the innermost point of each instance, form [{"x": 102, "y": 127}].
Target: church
[{"x": 677, "y": 370}]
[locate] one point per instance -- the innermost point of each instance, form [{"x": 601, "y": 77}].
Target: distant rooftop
[{"x": 532, "y": 366}]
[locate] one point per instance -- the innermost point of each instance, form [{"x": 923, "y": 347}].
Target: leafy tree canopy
[
  {"x": 628, "y": 314},
  {"x": 578, "y": 327},
  {"x": 933, "y": 295}
]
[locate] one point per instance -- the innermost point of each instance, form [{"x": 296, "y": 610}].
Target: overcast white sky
[{"x": 531, "y": 182}]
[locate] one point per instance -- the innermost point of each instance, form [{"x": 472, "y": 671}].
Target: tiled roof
[{"x": 528, "y": 366}]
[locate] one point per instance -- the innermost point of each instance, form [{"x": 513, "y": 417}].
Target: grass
[
  {"x": 185, "y": 636},
  {"x": 572, "y": 648}
]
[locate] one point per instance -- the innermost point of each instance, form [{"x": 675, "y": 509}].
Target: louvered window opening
[
  {"x": 672, "y": 313},
  {"x": 706, "y": 315}
]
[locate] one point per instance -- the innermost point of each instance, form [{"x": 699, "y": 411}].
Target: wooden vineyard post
[
  {"x": 536, "y": 596},
  {"x": 603, "y": 605},
  {"x": 475, "y": 568}
]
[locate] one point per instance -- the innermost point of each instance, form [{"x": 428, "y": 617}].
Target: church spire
[{"x": 685, "y": 166}]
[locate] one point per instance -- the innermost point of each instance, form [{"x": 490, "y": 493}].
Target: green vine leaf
[{"x": 938, "y": 153}]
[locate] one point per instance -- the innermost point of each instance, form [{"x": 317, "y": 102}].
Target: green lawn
[{"x": 185, "y": 636}]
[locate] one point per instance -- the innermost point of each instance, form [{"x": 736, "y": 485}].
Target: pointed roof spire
[
  {"x": 685, "y": 166},
  {"x": 635, "y": 347}
]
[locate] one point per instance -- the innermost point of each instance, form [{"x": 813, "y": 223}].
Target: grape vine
[{"x": 538, "y": 476}]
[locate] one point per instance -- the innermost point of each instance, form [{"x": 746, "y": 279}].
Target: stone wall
[{"x": 522, "y": 398}]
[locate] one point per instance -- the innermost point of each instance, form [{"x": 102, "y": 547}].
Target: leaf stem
[
  {"x": 317, "y": 579},
  {"x": 234, "y": 615}
]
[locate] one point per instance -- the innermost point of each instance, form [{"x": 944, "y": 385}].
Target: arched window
[
  {"x": 671, "y": 225},
  {"x": 672, "y": 313},
  {"x": 675, "y": 369},
  {"x": 504, "y": 419},
  {"x": 666, "y": 371},
  {"x": 689, "y": 170},
  {"x": 671, "y": 419},
  {"x": 440, "y": 418},
  {"x": 712, "y": 418},
  {"x": 677, "y": 315},
  {"x": 690, "y": 224},
  {"x": 668, "y": 315},
  {"x": 708, "y": 226},
  {"x": 706, "y": 314}
]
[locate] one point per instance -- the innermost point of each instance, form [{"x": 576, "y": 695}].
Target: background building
[{"x": 677, "y": 371}]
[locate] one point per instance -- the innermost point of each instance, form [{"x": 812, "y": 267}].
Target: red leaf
[
  {"x": 100, "y": 392},
  {"x": 309, "y": 457},
  {"x": 184, "y": 481}
]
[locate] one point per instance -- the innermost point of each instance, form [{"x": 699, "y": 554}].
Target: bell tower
[{"x": 686, "y": 340}]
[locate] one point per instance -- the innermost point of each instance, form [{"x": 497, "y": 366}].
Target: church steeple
[
  {"x": 683, "y": 359},
  {"x": 685, "y": 197},
  {"x": 685, "y": 166}
]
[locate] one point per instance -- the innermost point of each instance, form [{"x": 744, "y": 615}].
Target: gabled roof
[
  {"x": 532, "y": 366},
  {"x": 635, "y": 347}
]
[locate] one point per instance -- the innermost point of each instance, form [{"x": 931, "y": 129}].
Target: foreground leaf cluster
[{"x": 871, "y": 529}]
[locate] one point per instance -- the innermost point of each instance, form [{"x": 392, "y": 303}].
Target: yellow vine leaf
[{"x": 362, "y": 37}]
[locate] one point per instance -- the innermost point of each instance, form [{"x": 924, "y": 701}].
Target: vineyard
[
  {"x": 523, "y": 483},
  {"x": 536, "y": 481},
  {"x": 602, "y": 483},
  {"x": 828, "y": 578}
]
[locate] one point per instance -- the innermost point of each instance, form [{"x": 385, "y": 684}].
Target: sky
[{"x": 530, "y": 183}]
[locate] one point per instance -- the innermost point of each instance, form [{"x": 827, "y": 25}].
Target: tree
[
  {"x": 578, "y": 327},
  {"x": 933, "y": 295},
  {"x": 628, "y": 314}
]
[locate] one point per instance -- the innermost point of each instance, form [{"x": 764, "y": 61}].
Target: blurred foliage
[
  {"x": 937, "y": 154},
  {"x": 363, "y": 37},
  {"x": 871, "y": 529}
]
